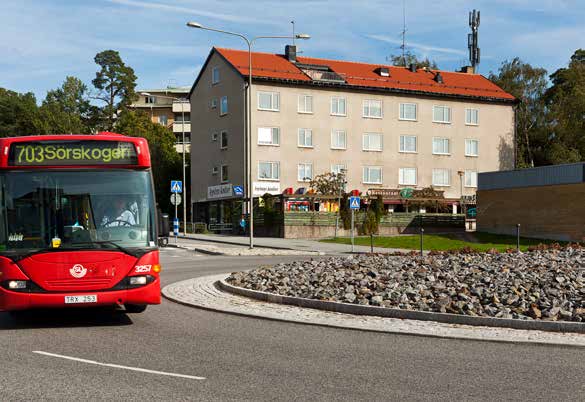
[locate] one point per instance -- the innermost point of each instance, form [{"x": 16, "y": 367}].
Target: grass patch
[{"x": 443, "y": 242}]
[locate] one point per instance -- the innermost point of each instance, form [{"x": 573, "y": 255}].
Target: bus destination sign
[{"x": 63, "y": 153}]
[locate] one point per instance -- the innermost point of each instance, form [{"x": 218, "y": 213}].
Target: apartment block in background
[{"x": 388, "y": 128}]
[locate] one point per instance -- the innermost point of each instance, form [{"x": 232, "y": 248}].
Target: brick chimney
[
  {"x": 290, "y": 52},
  {"x": 467, "y": 70}
]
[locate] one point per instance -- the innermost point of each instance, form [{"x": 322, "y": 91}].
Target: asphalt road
[{"x": 252, "y": 359}]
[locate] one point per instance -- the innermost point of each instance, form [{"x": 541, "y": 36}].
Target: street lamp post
[
  {"x": 248, "y": 145},
  {"x": 182, "y": 101}
]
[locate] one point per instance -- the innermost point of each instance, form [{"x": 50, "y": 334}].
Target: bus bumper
[{"x": 148, "y": 294}]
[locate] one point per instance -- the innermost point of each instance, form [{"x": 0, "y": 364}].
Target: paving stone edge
[{"x": 550, "y": 326}]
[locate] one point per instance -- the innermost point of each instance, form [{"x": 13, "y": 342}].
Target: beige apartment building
[
  {"x": 388, "y": 128},
  {"x": 167, "y": 107}
]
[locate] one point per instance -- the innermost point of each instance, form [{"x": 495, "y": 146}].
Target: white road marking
[{"x": 77, "y": 359}]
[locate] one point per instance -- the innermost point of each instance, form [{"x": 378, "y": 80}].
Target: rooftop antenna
[
  {"x": 472, "y": 39},
  {"x": 403, "y": 46},
  {"x": 293, "y": 27}
]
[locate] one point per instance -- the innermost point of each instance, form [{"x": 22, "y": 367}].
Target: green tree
[
  {"x": 565, "y": 100},
  {"x": 18, "y": 113},
  {"x": 411, "y": 58},
  {"x": 66, "y": 109},
  {"x": 529, "y": 85},
  {"x": 328, "y": 183},
  {"x": 166, "y": 162},
  {"x": 115, "y": 83}
]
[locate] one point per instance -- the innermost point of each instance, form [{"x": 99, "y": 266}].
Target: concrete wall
[
  {"x": 206, "y": 153},
  {"x": 547, "y": 212}
]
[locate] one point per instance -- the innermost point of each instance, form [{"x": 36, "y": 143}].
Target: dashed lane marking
[{"x": 77, "y": 359}]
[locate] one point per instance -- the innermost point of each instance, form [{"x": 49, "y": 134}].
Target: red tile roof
[{"x": 363, "y": 75}]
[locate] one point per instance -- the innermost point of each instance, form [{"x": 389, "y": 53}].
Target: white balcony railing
[
  {"x": 179, "y": 148},
  {"x": 177, "y": 105},
  {"x": 178, "y": 127}
]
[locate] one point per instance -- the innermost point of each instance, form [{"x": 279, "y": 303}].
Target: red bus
[{"x": 77, "y": 223}]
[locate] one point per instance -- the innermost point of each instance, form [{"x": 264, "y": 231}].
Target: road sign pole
[
  {"x": 352, "y": 227},
  {"x": 176, "y": 230}
]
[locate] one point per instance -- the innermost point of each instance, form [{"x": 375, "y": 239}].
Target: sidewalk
[{"x": 284, "y": 244}]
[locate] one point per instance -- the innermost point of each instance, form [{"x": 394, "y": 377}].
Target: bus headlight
[
  {"x": 16, "y": 284},
  {"x": 137, "y": 280}
]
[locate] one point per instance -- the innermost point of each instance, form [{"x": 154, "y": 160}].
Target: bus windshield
[{"x": 76, "y": 209}]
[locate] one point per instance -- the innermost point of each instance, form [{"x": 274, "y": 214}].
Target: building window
[
  {"x": 408, "y": 111},
  {"x": 472, "y": 117},
  {"x": 470, "y": 178},
  {"x": 163, "y": 120},
  {"x": 215, "y": 75},
  {"x": 372, "y": 108},
  {"x": 407, "y": 176},
  {"x": 441, "y": 146},
  {"x": 372, "y": 142},
  {"x": 268, "y": 170},
  {"x": 268, "y": 136},
  {"x": 441, "y": 114},
  {"x": 305, "y": 138},
  {"x": 305, "y": 104},
  {"x": 179, "y": 117},
  {"x": 408, "y": 143},
  {"x": 223, "y": 106},
  {"x": 213, "y": 104},
  {"x": 338, "y": 168},
  {"x": 223, "y": 140},
  {"x": 224, "y": 173},
  {"x": 338, "y": 139},
  {"x": 441, "y": 177},
  {"x": 305, "y": 172},
  {"x": 269, "y": 101},
  {"x": 338, "y": 106},
  {"x": 372, "y": 175},
  {"x": 150, "y": 99},
  {"x": 471, "y": 147}
]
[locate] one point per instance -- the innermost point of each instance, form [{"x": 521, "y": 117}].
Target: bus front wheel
[{"x": 135, "y": 308}]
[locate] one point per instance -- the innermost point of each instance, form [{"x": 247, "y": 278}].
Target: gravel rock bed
[{"x": 543, "y": 285}]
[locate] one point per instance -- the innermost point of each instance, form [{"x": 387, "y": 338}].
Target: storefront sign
[
  {"x": 469, "y": 199},
  {"x": 406, "y": 193},
  {"x": 387, "y": 193},
  {"x": 221, "y": 191},
  {"x": 260, "y": 188}
]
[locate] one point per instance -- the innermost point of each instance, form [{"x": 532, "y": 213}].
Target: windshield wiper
[{"x": 111, "y": 243}]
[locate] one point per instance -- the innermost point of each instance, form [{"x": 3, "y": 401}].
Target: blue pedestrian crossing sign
[
  {"x": 354, "y": 202},
  {"x": 176, "y": 186},
  {"x": 239, "y": 191}
]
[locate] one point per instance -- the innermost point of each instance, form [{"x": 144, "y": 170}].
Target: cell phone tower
[{"x": 472, "y": 38}]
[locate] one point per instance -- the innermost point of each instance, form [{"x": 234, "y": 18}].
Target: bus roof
[{"x": 74, "y": 151}]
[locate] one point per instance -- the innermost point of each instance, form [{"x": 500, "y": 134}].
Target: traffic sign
[
  {"x": 239, "y": 191},
  {"x": 176, "y": 199},
  {"x": 176, "y": 186},
  {"x": 354, "y": 202}
]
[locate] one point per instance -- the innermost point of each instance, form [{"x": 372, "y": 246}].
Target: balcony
[
  {"x": 179, "y": 147},
  {"x": 178, "y": 127},
  {"x": 184, "y": 104}
]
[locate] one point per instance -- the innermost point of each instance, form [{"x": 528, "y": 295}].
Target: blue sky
[{"x": 42, "y": 41}]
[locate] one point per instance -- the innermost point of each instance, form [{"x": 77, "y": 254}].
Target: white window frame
[
  {"x": 469, "y": 122},
  {"x": 274, "y": 101},
  {"x": 401, "y": 176},
  {"x": 469, "y": 140},
  {"x": 303, "y": 101},
  {"x": 336, "y": 168},
  {"x": 223, "y": 134},
  {"x": 222, "y": 111},
  {"x": 333, "y": 133},
  {"x": 402, "y": 149},
  {"x": 304, "y": 132},
  {"x": 366, "y": 147},
  {"x": 273, "y": 143},
  {"x": 443, "y": 170},
  {"x": 368, "y": 181},
  {"x": 368, "y": 102},
  {"x": 215, "y": 77},
  {"x": 275, "y": 167},
  {"x": 337, "y": 99},
  {"x": 448, "y": 146},
  {"x": 163, "y": 120},
  {"x": 305, "y": 178},
  {"x": 443, "y": 107},
  {"x": 221, "y": 172},
  {"x": 400, "y": 110},
  {"x": 471, "y": 174}
]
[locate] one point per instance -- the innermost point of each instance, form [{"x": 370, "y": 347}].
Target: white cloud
[{"x": 420, "y": 46}]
